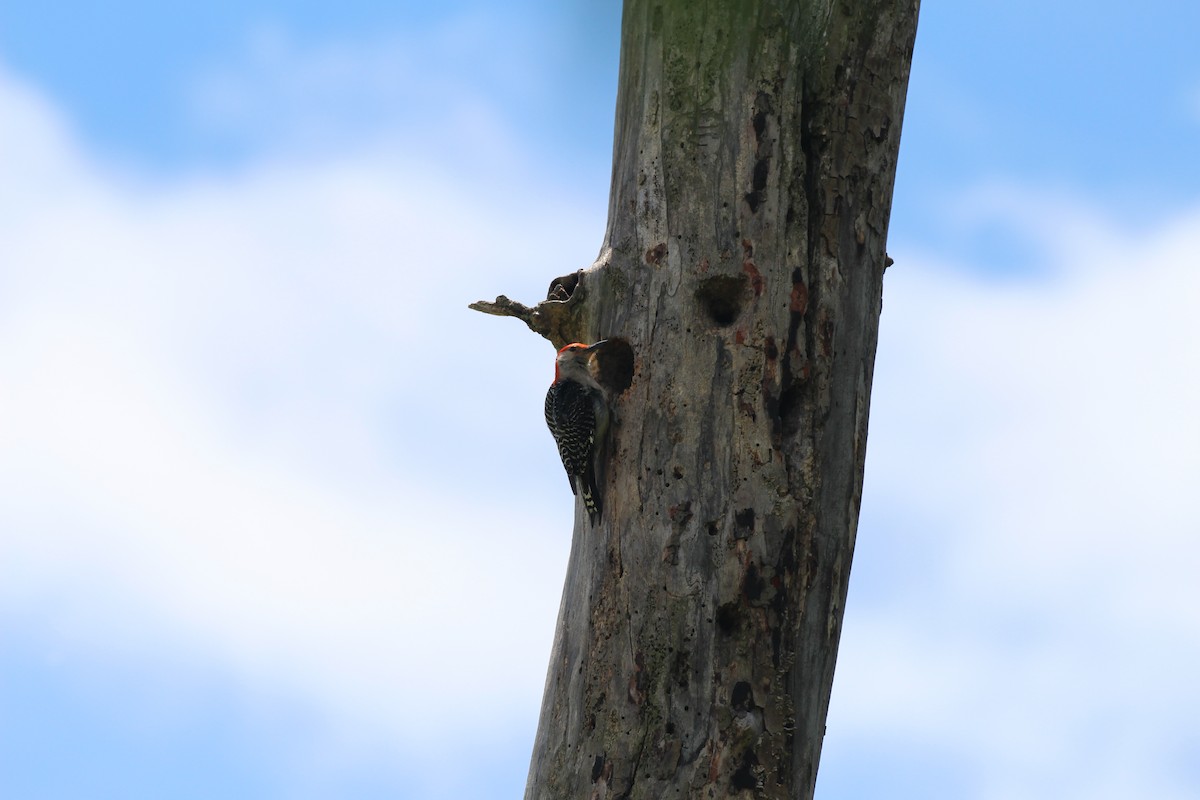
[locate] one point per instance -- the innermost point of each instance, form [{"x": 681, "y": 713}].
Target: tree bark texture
[{"x": 754, "y": 160}]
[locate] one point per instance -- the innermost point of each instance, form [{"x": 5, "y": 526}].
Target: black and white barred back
[{"x": 571, "y": 417}]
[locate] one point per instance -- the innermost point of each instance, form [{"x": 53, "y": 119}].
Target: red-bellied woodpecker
[{"x": 577, "y": 415}]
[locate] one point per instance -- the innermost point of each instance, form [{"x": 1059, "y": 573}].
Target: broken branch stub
[{"x": 559, "y": 317}]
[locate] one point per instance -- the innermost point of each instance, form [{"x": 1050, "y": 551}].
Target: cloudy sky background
[{"x": 266, "y": 531}]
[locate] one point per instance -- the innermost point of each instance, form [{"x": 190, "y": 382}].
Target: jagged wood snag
[{"x": 755, "y": 155}]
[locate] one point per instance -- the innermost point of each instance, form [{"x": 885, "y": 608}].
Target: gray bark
[{"x": 754, "y": 160}]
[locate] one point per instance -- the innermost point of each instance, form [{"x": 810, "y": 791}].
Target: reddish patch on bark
[
  {"x": 768, "y": 385},
  {"x": 739, "y": 336},
  {"x": 827, "y": 337},
  {"x": 756, "y": 278},
  {"x": 656, "y": 254},
  {"x": 638, "y": 681},
  {"x": 714, "y": 765},
  {"x": 799, "y": 302}
]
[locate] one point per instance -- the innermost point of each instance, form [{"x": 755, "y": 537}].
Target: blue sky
[{"x": 250, "y": 546}]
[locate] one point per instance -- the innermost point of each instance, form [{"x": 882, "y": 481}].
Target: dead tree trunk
[{"x": 755, "y": 155}]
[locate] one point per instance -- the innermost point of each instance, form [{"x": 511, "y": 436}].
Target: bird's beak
[{"x": 596, "y": 346}]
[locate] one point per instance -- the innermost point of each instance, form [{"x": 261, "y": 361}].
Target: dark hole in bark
[
  {"x": 742, "y": 698},
  {"x": 760, "y": 124},
  {"x": 721, "y": 297},
  {"x": 744, "y": 778},
  {"x": 758, "y": 182},
  {"x": 597, "y": 768},
  {"x": 753, "y": 584},
  {"x": 762, "y": 168},
  {"x": 789, "y": 410},
  {"x": 764, "y": 105},
  {"x": 614, "y": 363},
  {"x": 562, "y": 288},
  {"x": 727, "y": 617}
]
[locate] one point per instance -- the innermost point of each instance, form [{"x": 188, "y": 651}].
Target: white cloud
[
  {"x": 1045, "y": 433},
  {"x": 230, "y": 428}
]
